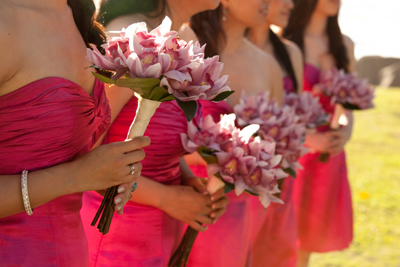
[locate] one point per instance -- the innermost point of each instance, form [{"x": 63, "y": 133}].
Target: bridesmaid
[
  {"x": 52, "y": 111},
  {"x": 166, "y": 198},
  {"x": 322, "y": 194},
  {"x": 250, "y": 70},
  {"x": 274, "y": 230}
]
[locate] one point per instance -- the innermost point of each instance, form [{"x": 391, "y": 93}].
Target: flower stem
[
  {"x": 106, "y": 210},
  {"x": 181, "y": 255}
]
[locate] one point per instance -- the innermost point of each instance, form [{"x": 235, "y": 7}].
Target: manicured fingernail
[
  {"x": 205, "y": 229},
  {"x": 119, "y": 207},
  {"x": 212, "y": 215},
  {"x": 118, "y": 200},
  {"x": 121, "y": 189},
  {"x": 213, "y": 206},
  {"x": 212, "y": 198},
  {"x": 205, "y": 193}
]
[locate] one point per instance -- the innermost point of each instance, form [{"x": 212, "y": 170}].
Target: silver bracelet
[{"x": 24, "y": 187}]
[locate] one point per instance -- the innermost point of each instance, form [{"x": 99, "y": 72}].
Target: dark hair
[
  {"x": 282, "y": 55},
  {"x": 112, "y": 9},
  {"x": 208, "y": 28},
  {"x": 85, "y": 18},
  {"x": 300, "y": 18}
]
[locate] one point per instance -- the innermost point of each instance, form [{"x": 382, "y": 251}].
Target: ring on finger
[{"x": 132, "y": 169}]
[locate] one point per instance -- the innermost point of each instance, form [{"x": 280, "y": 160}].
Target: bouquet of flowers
[
  {"x": 158, "y": 67},
  {"x": 347, "y": 92},
  {"x": 307, "y": 109},
  {"x": 277, "y": 124},
  {"x": 235, "y": 160}
]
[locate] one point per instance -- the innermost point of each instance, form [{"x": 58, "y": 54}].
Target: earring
[{"x": 224, "y": 12}]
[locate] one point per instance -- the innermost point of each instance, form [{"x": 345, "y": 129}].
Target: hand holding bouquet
[
  {"x": 347, "y": 92},
  {"x": 158, "y": 67},
  {"x": 235, "y": 160}
]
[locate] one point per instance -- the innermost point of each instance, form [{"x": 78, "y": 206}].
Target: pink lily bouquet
[
  {"x": 235, "y": 160},
  {"x": 347, "y": 92},
  {"x": 277, "y": 124},
  {"x": 158, "y": 67},
  {"x": 307, "y": 109}
]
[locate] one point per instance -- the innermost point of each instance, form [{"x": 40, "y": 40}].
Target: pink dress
[
  {"x": 322, "y": 196},
  {"x": 226, "y": 243},
  {"x": 42, "y": 124},
  {"x": 143, "y": 236},
  {"x": 274, "y": 232}
]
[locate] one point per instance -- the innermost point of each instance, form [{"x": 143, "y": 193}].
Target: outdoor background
[{"x": 373, "y": 154}]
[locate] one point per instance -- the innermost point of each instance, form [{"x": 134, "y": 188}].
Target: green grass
[{"x": 373, "y": 158}]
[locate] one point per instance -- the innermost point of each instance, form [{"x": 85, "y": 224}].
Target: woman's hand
[
  {"x": 185, "y": 204},
  {"x": 318, "y": 142},
  {"x": 337, "y": 140},
  {"x": 109, "y": 165},
  {"x": 218, "y": 200}
]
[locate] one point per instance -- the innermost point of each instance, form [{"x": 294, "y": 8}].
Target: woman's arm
[{"x": 100, "y": 168}]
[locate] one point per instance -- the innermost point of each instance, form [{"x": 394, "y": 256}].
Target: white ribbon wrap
[{"x": 145, "y": 110}]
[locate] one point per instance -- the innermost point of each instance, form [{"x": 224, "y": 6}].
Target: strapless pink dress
[
  {"x": 274, "y": 231},
  {"x": 42, "y": 124},
  {"x": 322, "y": 196},
  {"x": 226, "y": 243},
  {"x": 143, "y": 236}
]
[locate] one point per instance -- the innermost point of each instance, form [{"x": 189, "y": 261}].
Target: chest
[{"x": 245, "y": 74}]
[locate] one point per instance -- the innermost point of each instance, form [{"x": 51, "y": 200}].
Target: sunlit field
[{"x": 373, "y": 157}]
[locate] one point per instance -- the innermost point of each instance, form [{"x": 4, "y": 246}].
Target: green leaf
[
  {"x": 229, "y": 187},
  {"x": 103, "y": 79},
  {"x": 350, "y": 106},
  {"x": 167, "y": 98},
  {"x": 142, "y": 86},
  {"x": 290, "y": 171},
  {"x": 158, "y": 93},
  {"x": 222, "y": 96},
  {"x": 189, "y": 108},
  {"x": 251, "y": 193}
]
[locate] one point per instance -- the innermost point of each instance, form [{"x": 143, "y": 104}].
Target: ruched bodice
[
  {"x": 163, "y": 155},
  {"x": 45, "y": 123},
  {"x": 49, "y": 121}
]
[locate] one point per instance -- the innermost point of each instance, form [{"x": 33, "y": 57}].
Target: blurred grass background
[{"x": 373, "y": 157}]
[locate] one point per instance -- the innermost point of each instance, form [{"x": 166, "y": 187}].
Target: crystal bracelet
[{"x": 24, "y": 187}]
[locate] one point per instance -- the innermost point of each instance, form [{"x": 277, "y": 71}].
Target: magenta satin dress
[
  {"x": 226, "y": 243},
  {"x": 274, "y": 231},
  {"x": 42, "y": 124},
  {"x": 322, "y": 196},
  {"x": 143, "y": 236}
]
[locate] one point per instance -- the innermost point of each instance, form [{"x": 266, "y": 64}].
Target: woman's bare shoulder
[
  {"x": 186, "y": 33},
  {"x": 124, "y": 21},
  {"x": 8, "y": 42},
  {"x": 348, "y": 42},
  {"x": 292, "y": 48}
]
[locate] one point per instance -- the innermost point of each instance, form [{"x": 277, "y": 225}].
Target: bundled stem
[
  {"x": 181, "y": 255},
  {"x": 106, "y": 210}
]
